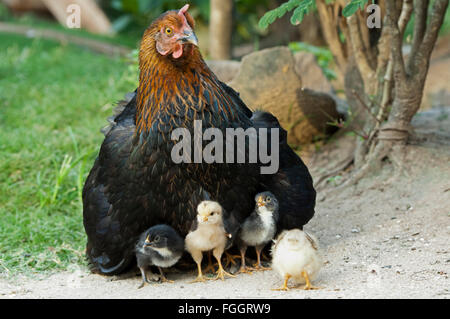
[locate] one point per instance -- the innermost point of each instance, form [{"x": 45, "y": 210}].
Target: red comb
[{"x": 183, "y": 10}]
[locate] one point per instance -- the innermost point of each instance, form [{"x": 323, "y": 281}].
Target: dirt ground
[{"x": 379, "y": 239}]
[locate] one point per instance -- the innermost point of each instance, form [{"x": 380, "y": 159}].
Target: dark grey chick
[
  {"x": 259, "y": 228},
  {"x": 159, "y": 246}
]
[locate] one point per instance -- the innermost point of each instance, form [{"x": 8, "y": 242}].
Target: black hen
[{"x": 134, "y": 183}]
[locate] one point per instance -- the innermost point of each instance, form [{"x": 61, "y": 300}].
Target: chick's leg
[
  {"x": 258, "y": 265},
  {"x": 221, "y": 273},
  {"x": 308, "y": 285},
  {"x": 198, "y": 256},
  {"x": 145, "y": 277},
  {"x": 243, "y": 269},
  {"x": 284, "y": 287},
  {"x": 163, "y": 278}
]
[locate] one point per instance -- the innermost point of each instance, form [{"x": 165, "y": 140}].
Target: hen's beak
[{"x": 189, "y": 37}]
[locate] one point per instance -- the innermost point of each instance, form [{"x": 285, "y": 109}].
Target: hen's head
[{"x": 171, "y": 35}]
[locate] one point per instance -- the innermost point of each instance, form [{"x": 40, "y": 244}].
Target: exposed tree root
[
  {"x": 385, "y": 148},
  {"x": 341, "y": 166}
]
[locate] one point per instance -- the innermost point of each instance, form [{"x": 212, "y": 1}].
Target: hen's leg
[
  {"x": 210, "y": 266},
  {"x": 230, "y": 259}
]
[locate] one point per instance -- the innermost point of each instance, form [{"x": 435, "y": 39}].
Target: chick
[
  {"x": 159, "y": 246},
  {"x": 208, "y": 233},
  {"x": 259, "y": 228},
  {"x": 295, "y": 255}
]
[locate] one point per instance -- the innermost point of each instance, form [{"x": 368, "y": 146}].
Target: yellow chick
[
  {"x": 295, "y": 255},
  {"x": 208, "y": 233}
]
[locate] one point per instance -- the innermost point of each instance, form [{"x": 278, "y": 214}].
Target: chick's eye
[
  {"x": 168, "y": 31},
  {"x": 156, "y": 238},
  {"x": 269, "y": 199}
]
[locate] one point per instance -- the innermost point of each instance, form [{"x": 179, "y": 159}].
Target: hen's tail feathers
[{"x": 120, "y": 107}]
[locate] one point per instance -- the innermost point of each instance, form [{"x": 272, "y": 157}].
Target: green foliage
[
  {"x": 139, "y": 13},
  {"x": 246, "y": 18},
  {"x": 303, "y": 7},
  {"x": 133, "y": 16},
  {"x": 444, "y": 30},
  {"x": 323, "y": 55},
  {"x": 54, "y": 100},
  {"x": 352, "y": 7},
  {"x": 301, "y": 10}
]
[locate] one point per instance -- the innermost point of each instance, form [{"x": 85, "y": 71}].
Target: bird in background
[
  {"x": 159, "y": 246},
  {"x": 208, "y": 234},
  {"x": 258, "y": 229},
  {"x": 134, "y": 184},
  {"x": 295, "y": 254}
]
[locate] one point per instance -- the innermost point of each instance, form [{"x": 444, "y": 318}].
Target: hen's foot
[
  {"x": 211, "y": 267},
  {"x": 230, "y": 259}
]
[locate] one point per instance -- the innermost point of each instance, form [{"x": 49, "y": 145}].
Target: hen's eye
[
  {"x": 168, "y": 31},
  {"x": 269, "y": 199},
  {"x": 156, "y": 238}
]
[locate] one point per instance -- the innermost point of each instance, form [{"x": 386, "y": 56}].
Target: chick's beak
[
  {"x": 260, "y": 202},
  {"x": 205, "y": 219},
  {"x": 189, "y": 37},
  {"x": 147, "y": 242}
]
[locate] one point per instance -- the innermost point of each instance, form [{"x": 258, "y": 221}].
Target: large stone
[
  {"x": 225, "y": 70},
  {"x": 267, "y": 80},
  {"x": 311, "y": 73}
]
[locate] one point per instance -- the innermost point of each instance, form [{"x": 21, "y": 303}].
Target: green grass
[
  {"x": 53, "y": 101},
  {"x": 129, "y": 39}
]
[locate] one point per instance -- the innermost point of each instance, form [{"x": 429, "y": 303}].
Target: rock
[
  {"x": 313, "y": 78},
  {"x": 225, "y": 70},
  {"x": 311, "y": 73},
  {"x": 267, "y": 80}
]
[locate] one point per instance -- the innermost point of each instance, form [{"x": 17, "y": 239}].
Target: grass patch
[
  {"x": 130, "y": 39},
  {"x": 53, "y": 101}
]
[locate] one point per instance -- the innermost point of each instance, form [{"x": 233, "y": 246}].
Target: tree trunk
[
  {"x": 393, "y": 87},
  {"x": 220, "y": 27}
]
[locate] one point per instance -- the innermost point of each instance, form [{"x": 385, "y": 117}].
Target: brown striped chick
[
  {"x": 295, "y": 255},
  {"x": 208, "y": 233}
]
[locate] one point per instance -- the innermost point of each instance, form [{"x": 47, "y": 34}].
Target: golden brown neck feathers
[{"x": 162, "y": 78}]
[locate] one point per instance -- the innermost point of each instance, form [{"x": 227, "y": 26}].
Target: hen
[{"x": 134, "y": 183}]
